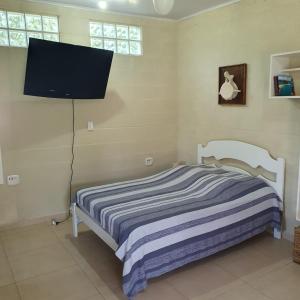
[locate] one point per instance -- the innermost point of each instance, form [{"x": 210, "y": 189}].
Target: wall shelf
[
  {"x": 291, "y": 70},
  {"x": 281, "y": 63},
  {"x": 285, "y": 97}
]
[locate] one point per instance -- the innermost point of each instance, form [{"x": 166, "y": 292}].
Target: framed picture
[{"x": 233, "y": 85}]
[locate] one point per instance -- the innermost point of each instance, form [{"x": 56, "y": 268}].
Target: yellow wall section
[
  {"x": 247, "y": 32},
  {"x": 137, "y": 118}
]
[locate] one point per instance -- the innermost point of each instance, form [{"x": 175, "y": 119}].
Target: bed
[{"x": 162, "y": 222}]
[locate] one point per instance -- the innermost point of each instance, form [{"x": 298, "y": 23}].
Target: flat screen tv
[{"x": 58, "y": 70}]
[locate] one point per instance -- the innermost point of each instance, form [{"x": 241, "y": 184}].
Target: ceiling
[{"x": 182, "y": 8}]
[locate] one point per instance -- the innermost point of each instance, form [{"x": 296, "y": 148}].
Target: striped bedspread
[{"x": 178, "y": 216}]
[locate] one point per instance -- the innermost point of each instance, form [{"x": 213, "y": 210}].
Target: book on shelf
[{"x": 284, "y": 85}]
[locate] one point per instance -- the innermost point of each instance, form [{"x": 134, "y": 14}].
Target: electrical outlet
[
  {"x": 13, "y": 179},
  {"x": 148, "y": 161}
]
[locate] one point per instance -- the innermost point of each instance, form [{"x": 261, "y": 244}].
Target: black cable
[{"x": 54, "y": 222}]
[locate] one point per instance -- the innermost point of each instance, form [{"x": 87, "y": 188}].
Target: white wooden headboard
[{"x": 251, "y": 155}]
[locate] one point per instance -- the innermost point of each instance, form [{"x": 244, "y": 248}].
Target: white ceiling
[{"x": 182, "y": 8}]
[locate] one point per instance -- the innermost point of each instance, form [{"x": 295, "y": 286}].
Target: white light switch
[
  {"x": 13, "y": 179},
  {"x": 148, "y": 161},
  {"x": 91, "y": 126}
]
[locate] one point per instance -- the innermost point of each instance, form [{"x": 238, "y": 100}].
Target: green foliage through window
[{"x": 17, "y": 28}]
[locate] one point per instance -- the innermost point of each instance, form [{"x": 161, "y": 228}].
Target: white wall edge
[
  {"x": 298, "y": 196},
  {"x": 1, "y": 169},
  {"x": 203, "y": 11}
]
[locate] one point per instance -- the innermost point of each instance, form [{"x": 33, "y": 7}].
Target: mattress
[{"x": 179, "y": 216}]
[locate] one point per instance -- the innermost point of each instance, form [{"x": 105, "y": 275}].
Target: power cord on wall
[{"x": 54, "y": 222}]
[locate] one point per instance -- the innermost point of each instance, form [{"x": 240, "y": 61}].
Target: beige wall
[
  {"x": 137, "y": 118},
  {"x": 247, "y": 32}
]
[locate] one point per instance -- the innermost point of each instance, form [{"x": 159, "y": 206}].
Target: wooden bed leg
[
  {"x": 75, "y": 220},
  {"x": 277, "y": 234}
]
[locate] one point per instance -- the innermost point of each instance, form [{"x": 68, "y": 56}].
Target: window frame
[
  {"x": 116, "y": 39},
  {"x": 26, "y": 30}
]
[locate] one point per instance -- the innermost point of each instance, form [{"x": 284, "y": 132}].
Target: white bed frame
[
  {"x": 79, "y": 216},
  {"x": 249, "y": 154}
]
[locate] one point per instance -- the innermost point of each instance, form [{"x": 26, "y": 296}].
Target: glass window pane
[
  {"x": 122, "y": 32},
  {"x": 50, "y": 24},
  {"x": 3, "y": 21},
  {"x": 33, "y": 22},
  {"x": 110, "y": 45},
  {"x": 96, "y": 29},
  {"x": 16, "y": 20},
  {"x": 51, "y": 37},
  {"x": 109, "y": 30},
  {"x": 17, "y": 38},
  {"x": 135, "y": 33},
  {"x": 35, "y": 35},
  {"x": 3, "y": 37},
  {"x": 122, "y": 47},
  {"x": 135, "y": 48},
  {"x": 97, "y": 43}
]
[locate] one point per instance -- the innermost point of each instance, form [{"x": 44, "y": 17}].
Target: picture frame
[{"x": 238, "y": 73}]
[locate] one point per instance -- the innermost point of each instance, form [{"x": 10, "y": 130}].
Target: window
[
  {"x": 16, "y": 28},
  {"x": 121, "y": 39}
]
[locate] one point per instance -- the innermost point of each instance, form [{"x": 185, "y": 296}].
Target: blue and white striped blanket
[{"x": 178, "y": 216}]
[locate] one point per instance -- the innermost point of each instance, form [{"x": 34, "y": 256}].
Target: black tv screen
[{"x": 58, "y": 70}]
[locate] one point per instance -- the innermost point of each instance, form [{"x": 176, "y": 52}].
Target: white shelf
[
  {"x": 280, "y": 63},
  {"x": 291, "y": 70},
  {"x": 285, "y": 97}
]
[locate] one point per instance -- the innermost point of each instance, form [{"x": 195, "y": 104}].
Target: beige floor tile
[
  {"x": 98, "y": 282},
  {"x": 88, "y": 248},
  {"x": 160, "y": 290},
  {"x": 40, "y": 261},
  {"x": 276, "y": 249},
  {"x": 112, "y": 277},
  {"x": 95, "y": 276},
  {"x": 18, "y": 229},
  {"x": 254, "y": 276},
  {"x": 9, "y": 292},
  {"x": 101, "y": 259},
  {"x": 43, "y": 261},
  {"x": 199, "y": 279},
  {"x": 96, "y": 297},
  {"x": 284, "y": 283},
  {"x": 243, "y": 260},
  {"x": 6, "y": 276},
  {"x": 65, "y": 229},
  {"x": 2, "y": 252},
  {"x": 243, "y": 292},
  {"x": 20, "y": 241},
  {"x": 219, "y": 291},
  {"x": 67, "y": 284},
  {"x": 119, "y": 294}
]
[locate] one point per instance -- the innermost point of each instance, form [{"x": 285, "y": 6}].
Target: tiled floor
[{"x": 41, "y": 262}]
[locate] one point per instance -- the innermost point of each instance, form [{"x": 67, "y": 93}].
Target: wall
[
  {"x": 137, "y": 118},
  {"x": 246, "y": 32}
]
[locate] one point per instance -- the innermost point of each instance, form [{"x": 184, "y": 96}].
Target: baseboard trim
[{"x": 34, "y": 221}]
